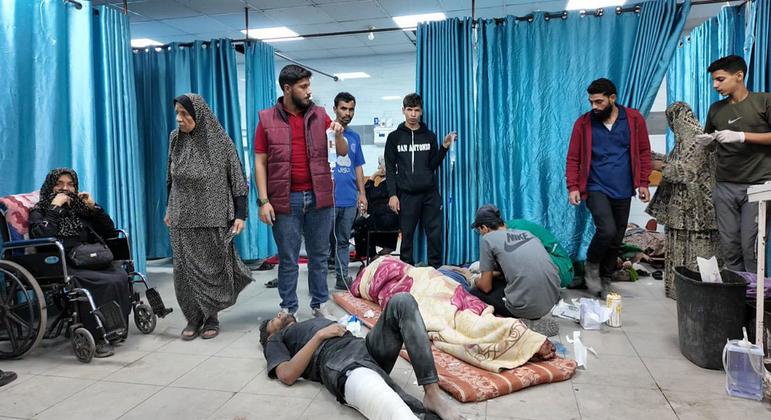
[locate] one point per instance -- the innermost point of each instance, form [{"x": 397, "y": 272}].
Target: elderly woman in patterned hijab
[
  {"x": 683, "y": 201},
  {"x": 71, "y": 216},
  {"x": 206, "y": 210}
]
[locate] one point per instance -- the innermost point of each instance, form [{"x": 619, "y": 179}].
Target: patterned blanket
[{"x": 457, "y": 322}]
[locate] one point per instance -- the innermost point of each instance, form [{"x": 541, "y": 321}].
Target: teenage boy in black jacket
[{"x": 411, "y": 159}]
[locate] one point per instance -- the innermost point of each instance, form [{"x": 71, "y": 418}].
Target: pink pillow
[{"x": 16, "y": 210}]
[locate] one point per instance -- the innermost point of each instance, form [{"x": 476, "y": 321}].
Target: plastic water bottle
[
  {"x": 743, "y": 364},
  {"x": 452, "y": 155},
  {"x": 331, "y": 149}
]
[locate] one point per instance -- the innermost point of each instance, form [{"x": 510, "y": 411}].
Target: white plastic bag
[
  {"x": 567, "y": 310},
  {"x": 593, "y": 314},
  {"x": 580, "y": 349}
]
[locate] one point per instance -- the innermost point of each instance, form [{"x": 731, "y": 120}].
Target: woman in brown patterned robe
[
  {"x": 683, "y": 201},
  {"x": 206, "y": 210}
]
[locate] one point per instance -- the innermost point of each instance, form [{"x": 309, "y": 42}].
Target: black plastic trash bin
[{"x": 708, "y": 314}]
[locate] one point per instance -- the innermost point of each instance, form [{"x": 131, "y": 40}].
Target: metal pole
[
  {"x": 332, "y": 76},
  {"x": 762, "y": 237}
]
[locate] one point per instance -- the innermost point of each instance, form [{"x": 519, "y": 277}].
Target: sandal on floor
[
  {"x": 191, "y": 328},
  {"x": 212, "y": 327},
  {"x": 271, "y": 284}
]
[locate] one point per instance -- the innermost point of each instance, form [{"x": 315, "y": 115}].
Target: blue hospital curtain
[
  {"x": 445, "y": 80},
  {"x": 759, "y": 77},
  {"x": 119, "y": 166},
  {"x": 531, "y": 88},
  {"x": 260, "y": 69},
  {"x": 687, "y": 78},
  {"x": 68, "y": 100},
  {"x": 208, "y": 69},
  {"x": 46, "y": 80},
  {"x": 661, "y": 24}
]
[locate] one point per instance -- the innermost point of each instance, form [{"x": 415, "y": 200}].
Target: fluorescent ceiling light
[
  {"x": 352, "y": 75},
  {"x": 411, "y": 21},
  {"x": 391, "y": 98},
  {"x": 144, "y": 42},
  {"x": 592, "y": 4},
  {"x": 277, "y": 34}
]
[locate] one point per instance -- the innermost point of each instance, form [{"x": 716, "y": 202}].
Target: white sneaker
[
  {"x": 322, "y": 312},
  {"x": 286, "y": 311}
]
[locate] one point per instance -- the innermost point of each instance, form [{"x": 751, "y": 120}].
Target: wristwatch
[{"x": 262, "y": 201}]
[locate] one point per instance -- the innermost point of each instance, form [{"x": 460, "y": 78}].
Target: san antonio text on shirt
[{"x": 413, "y": 147}]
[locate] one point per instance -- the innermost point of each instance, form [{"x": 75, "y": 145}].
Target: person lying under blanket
[
  {"x": 457, "y": 322},
  {"x": 356, "y": 370}
]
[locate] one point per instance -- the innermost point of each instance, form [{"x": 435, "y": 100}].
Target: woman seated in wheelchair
[{"x": 73, "y": 218}]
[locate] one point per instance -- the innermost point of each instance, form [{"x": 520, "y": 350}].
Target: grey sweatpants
[{"x": 737, "y": 222}]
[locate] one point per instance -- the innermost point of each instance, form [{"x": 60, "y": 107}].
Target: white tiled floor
[{"x": 640, "y": 373}]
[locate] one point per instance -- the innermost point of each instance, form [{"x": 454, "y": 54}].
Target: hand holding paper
[{"x": 704, "y": 139}]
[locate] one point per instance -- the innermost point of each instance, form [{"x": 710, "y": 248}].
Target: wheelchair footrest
[
  {"x": 112, "y": 320},
  {"x": 156, "y": 303}
]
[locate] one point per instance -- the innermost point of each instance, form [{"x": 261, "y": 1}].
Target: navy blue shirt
[{"x": 611, "y": 167}]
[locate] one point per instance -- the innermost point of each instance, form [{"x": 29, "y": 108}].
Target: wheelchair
[{"x": 35, "y": 284}]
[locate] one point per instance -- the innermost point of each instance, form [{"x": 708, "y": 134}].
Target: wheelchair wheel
[
  {"x": 144, "y": 318},
  {"x": 83, "y": 344},
  {"x": 22, "y": 311}
]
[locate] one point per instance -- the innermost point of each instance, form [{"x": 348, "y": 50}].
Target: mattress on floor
[{"x": 465, "y": 382}]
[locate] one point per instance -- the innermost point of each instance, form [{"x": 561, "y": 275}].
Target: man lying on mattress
[{"x": 356, "y": 370}]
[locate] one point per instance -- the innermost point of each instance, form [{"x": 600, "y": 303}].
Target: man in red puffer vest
[{"x": 294, "y": 183}]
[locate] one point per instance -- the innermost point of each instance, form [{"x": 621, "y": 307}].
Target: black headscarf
[
  {"x": 187, "y": 104},
  {"x": 70, "y": 222}
]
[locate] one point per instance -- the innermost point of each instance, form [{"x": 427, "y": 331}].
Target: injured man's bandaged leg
[{"x": 368, "y": 393}]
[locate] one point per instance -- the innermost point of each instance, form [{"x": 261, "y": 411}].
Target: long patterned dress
[
  {"x": 683, "y": 201},
  {"x": 206, "y": 184}
]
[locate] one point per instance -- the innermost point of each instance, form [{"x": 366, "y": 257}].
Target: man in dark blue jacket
[{"x": 411, "y": 160}]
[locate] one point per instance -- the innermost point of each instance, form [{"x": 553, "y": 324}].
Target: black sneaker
[
  {"x": 6, "y": 377},
  {"x": 104, "y": 350},
  {"x": 341, "y": 284}
]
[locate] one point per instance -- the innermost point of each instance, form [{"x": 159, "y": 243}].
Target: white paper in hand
[
  {"x": 705, "y": 139},
  {"x": 709, "y": 270}
]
